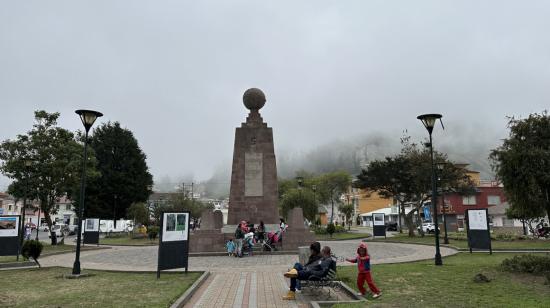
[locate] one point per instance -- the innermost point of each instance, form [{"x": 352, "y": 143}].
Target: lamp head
[
  {"x": 428, "y": 120},
  {"x": 300, "y": 181},
  {"x": 88, "y": 117}
]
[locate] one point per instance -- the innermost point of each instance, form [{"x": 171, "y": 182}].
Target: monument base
[
  {"x": 296, "y": 235},
  {"x": 207, "y": 241}
]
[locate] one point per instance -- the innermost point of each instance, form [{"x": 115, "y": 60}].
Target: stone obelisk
[{"x": 254, "y": 192}]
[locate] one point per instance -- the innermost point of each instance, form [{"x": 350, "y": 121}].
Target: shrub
[
  {"x": 331, "y": 229},
  {"x": 339, "y": 228},
  {"x": 153, "y": 232},
  {"x": 505, "y": 237},
  {"x": 532, "y": 264},
  {"x": 32, "y": 249},
  {"x": 138, "y": 236},
  {"x": 319, "y": 230}
]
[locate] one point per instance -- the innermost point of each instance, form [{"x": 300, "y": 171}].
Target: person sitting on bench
[{"x": 313, "y": 271}]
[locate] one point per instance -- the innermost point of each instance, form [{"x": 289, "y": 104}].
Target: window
[
  {"x": 493, "y": 200},
  {"x": 469, "y": 200},
  {"x": 68, "y": 207},
  {"x": 507, "y": 222}
]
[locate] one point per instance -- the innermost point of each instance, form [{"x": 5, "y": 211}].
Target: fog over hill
[{"x": 467, "y": 144}]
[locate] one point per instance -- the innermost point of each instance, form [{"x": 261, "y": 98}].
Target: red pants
[{"x": 361, "y": 278}]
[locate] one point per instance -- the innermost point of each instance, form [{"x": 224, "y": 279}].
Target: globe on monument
[{"x": 254, "y": 99}]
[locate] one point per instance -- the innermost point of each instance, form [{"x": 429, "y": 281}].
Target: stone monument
[{"x": 254, "y": 191}]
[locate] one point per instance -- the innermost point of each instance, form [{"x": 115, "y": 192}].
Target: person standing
[
  {"x": 363, "y": 271},
  {"x": 239, "y": 237}
]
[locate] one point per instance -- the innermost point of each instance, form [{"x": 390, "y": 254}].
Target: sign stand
[
  {"x": 479, "y": 233},
  {"x": 10, "y": 237},
  {"x": 378, "y": 224},
  {"x": 174, "y": 241},
  {"x": 91, "y": 231}
]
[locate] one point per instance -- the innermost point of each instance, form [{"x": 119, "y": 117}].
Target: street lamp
[
  {"x": 88, "y": 118},
  {"x": 441, "y": 169},
  {"x": 300, "y": 181},
  {"x": 428, "y": 120}
]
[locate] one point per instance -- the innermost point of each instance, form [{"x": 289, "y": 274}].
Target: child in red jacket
[{"x": 363, "y": 265}]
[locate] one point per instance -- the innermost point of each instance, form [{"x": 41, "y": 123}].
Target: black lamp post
[
  {"x": 28, "y": 164},
  {"x": 88, "y": 118},
  {"x": 428, "y": 120},
  {"x": 300, "y": 181},
  {"x": 441, "y": 169}
]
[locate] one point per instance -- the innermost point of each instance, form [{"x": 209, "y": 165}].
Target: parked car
[
  {"x": 391, "y": 226},
  {"x": 44, "y": 227},
  {"x": 427, "y": 227}
]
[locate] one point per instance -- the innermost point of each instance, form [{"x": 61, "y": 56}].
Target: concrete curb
[
  {"x": 349, "y": 291},
  {"x": 412, "y": 243},
  {"x": 17, "y": 265},
  {"x": 29, "y": 264},
  {"x": 256, "y": 253},
  {"x": 72, "y": 251},
  {"x": 182, "y": 300}
]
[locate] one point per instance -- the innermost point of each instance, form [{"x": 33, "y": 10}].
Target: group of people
[
  {"x": 247, "y": 235},
  {"x": 321, "y": 261}
]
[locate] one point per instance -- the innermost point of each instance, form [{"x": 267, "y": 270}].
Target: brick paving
[{"x": 242, "y": 282}]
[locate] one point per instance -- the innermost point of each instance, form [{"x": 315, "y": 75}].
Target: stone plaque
[{"x": 253, "y": 174}]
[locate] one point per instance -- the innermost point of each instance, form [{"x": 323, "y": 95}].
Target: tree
[
  {"x": 178, "y": 202},
  {"x": 347, "y": 210},
  {"x": 331, "y": 186},
  {"x": 138, "y": 212},
  {"x": 124, "y": 179},
  {"x": 522, "y": 165},
  {"x": 57, "y": 158},
  {"x": 407, "y": 178},
  {"x": 303, "y": 199}
]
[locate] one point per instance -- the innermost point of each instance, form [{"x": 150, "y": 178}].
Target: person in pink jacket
[{"x": 363, "y": 274}]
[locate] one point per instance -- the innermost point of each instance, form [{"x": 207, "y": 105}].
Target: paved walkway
[{"x": 242, "y": 282}]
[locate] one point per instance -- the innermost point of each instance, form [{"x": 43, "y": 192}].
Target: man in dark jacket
[{"x": 318, "y": 269}]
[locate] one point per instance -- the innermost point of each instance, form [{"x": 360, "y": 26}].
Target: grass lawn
[
  {"x": 422, "y": 284},
  {"x": 341, "y": 236},
  {"x": 496, "y": 244},
  {"x": 127, "y": 240},
  {"x": 46, "y": 287},
  {"x": 48, "y": 249}
]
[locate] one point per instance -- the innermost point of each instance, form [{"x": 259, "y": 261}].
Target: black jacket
[
  {"x": 312, "y": 260},
  {"x": 321, "y": 268}
]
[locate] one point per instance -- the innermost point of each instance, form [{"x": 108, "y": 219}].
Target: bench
[{"x": 328, "y": 282}]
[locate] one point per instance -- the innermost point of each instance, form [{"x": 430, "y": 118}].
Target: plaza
[{"x": 324, "y": 154}]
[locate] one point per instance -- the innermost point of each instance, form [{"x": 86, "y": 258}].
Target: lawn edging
[
  {"x": 186, "y": 296},
  {"x": 349, "y": 291}
]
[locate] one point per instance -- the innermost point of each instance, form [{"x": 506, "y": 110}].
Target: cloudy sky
[{"x": 174, "y": 72}]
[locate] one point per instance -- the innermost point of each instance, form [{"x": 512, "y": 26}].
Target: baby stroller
[
  {"x": 274, "y": 239},
  {"x": 248, "y": 243}
]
